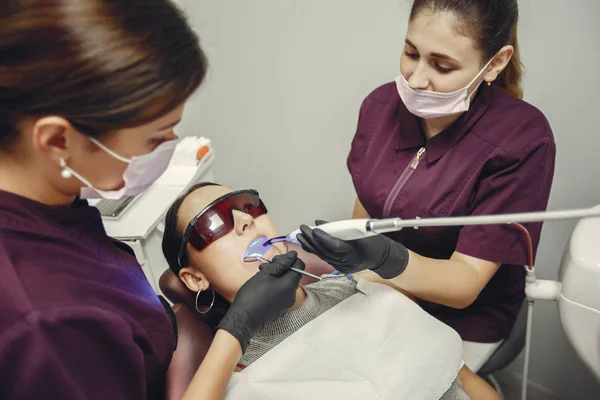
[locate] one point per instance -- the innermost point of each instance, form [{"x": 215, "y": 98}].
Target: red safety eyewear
[{"x": 216, "y": 219}]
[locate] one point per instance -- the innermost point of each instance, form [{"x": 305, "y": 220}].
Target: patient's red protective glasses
[{"x": 216, "y": 220}]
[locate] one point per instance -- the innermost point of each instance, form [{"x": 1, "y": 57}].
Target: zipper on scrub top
[
  {"x": 387, "y": 207},
  {"x": 415, "y": 161}
]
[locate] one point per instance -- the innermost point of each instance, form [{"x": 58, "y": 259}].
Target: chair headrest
[{"x": 175, "y": 290}]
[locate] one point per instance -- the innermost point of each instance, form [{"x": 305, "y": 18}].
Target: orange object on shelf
[{"x": 201, "y": 152}]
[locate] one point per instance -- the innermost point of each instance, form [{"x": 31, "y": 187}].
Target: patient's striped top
[{"x": 320, "y": 297}]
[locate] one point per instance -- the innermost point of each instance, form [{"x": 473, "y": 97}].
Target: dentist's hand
[
  {"x": 263, "y": 298},
  {"x": 378, "y": 253}
]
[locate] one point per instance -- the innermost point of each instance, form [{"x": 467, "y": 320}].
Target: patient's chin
[
  {"x": 250, "y": 265},
  {"x": 273, "y": 251},
  {"x": 279, "y": 248}
]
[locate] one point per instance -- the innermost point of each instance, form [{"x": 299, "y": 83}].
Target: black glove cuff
[{"x": 395, "y": 261}]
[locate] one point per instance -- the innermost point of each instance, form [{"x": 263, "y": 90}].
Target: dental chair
[{"x": 194, "y": 336}]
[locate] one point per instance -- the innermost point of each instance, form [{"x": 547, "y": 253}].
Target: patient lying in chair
[{"x": 218, "y": 270}]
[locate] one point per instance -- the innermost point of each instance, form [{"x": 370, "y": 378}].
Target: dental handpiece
[{"x": 346, "y": 230}]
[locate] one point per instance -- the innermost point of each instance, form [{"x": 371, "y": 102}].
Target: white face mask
[
  {"x": 141, "y": 172},
  {"x": 427, "y": 104}
]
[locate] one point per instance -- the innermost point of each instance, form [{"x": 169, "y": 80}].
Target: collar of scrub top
[{"x": 410, "y": 135}]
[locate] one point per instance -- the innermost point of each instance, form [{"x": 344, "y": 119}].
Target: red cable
[{"x": 529, "y": 243}]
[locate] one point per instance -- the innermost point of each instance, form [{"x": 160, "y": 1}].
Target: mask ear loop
[
  {"x": 482, "y": 72},
  {"x": 68, "y": 173},
  {"x": 109, "y": 151}
]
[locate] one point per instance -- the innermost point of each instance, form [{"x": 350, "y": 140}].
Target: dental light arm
[
  {"x": 359, "y": 228},
  {"x": 576, "y": 290},
  {"x": 396, "y": 224}
]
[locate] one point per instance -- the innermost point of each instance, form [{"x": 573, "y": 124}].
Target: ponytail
[{"x": 511, "y": 78}]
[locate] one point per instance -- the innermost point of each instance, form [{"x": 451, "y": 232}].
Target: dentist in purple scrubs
[
  {"x": 90, "y": 91},
  {"x": 451, "y": 137}
]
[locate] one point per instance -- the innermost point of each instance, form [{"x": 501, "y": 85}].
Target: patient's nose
[{"x": 242, "y": 221}]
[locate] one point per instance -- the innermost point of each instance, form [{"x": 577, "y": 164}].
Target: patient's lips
[{"x": 257, "y": 251}]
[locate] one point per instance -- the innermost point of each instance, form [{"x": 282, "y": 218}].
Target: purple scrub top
[
  {"x": 497, "y": 158},
  {"x": 78, "y": 319}
]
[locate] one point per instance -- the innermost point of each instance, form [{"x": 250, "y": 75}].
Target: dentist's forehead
[
  {"x": 440, "y": 33},
  {"x": 196, "y": 202}
]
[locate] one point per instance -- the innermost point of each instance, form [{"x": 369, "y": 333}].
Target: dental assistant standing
[
  {"x": 90, "y": 91},
  {"x": 451, "y": 137}
]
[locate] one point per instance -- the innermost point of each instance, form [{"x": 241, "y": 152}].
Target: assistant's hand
[
  {"x": 263, "y": 298},
  {"x": 378, "y": 253}
]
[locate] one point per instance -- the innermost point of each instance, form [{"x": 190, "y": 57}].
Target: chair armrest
[{"x": 194, "y": 338}]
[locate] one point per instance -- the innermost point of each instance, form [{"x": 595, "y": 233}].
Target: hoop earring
[
  {"x": 212, "y": 302},
  {"x": 65, "y": 173}
]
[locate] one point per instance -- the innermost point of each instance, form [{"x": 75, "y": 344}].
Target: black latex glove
[
  {"x": 263, "y": 298},
  {"x": 378, "y": 253}
]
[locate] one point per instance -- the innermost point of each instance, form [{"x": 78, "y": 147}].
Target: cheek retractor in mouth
[{"x": 257, "y": 250}]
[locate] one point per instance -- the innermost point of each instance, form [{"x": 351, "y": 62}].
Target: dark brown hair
[
  {"x": 101, "y": 64},
  {"x": 172, "y": 239},
  {"x": 492, "y": 24},
  {"x": 170, "y": 246}
]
